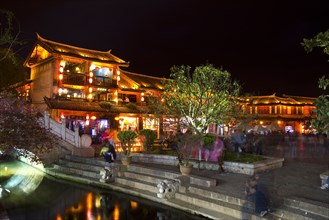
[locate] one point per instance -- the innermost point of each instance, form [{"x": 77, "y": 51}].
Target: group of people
[{"x": 248, "y": 143}]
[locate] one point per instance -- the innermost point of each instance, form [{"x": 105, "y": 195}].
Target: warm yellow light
[
  {"x": 60, "y": 77},
  {"x": 118, "y": 78},
  {"x": 90, "y": 80},
  {"x": 60, "y": 90},
  {"x": 133, "y": 204},
  {"x": 62, "y": 63},
  {"x": 90, "y": 96},
  {"x": 117, "y": 118},
  {"x": 116, "y": 212},
  {"x": 61, "y": 69},
  {"x": 87, "y": 117},
  {"x": 90, "y": 89},
  {"x": 142, "y": 98},
  {"x": 89, "y": 201},
  {"x": 91, "y": 74},
  {"x": 87, "y": 122},
  {"x": 93, "y": 117},
  {"x": 118, "y": 72},
  {"x": 142, "y": 94},
  {"x": 279, "y": 122},
  {"x": 92, "y": 66},
  {"x": 261, "y": 122}
]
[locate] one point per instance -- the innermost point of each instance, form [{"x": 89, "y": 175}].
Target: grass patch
[
  {"x": 160, "y": 151},
  {"x": 229, "y": 156},
  {"x": 242, "y": 158}
]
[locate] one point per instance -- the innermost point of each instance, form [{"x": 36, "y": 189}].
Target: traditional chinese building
[
  {"x": 290, "y": 113},
  {"x": 90, "y": 90}
]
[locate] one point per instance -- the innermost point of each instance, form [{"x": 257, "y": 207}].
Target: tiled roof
[
  {"x": 285, "y": 100},
  {"x": 87, "y": 106},
  {"x": 142, "y": 81},
  {"x": 302, "y": 99},
  {"x": 94, "y": 55}
]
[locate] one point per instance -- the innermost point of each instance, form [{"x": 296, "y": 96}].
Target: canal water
[{"x": 28, "y": 194}]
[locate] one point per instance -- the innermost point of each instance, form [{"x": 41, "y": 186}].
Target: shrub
[
  {"x": 149, "y": 137},
  {"x": 126, "y": 137}
]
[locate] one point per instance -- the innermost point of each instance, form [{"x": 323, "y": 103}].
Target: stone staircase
[{"x": 193, "y": 194}]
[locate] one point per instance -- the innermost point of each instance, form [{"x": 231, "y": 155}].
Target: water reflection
[{"x": 59, "y": 200}]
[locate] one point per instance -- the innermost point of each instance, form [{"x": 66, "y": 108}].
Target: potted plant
[
  {"x": 186, "y": 144},
  {"x": 126, "y": 137},
  {"x": 148, "y": 137}
]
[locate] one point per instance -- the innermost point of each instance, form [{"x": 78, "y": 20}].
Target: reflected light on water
[
  {"x": 133, "y": 204},
  {"x": 20, "y": 177},
  {"x": 116, "y": 212}
]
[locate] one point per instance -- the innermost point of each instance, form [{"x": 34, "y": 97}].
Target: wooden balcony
[{"x": 82, "y": 80}]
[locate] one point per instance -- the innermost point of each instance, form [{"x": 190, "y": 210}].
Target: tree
[
  {"x": 20, "y": 127},
  {"x": 11, "y": 66},
  {"x": 206, "y": 95},
  {"x": 321, "y": 122},
  {"x": 9, "y": 33}
]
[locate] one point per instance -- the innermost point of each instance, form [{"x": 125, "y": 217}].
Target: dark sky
[{"x": 258, "y": 42}]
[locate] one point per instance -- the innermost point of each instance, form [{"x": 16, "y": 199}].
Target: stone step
[
  {"x": 143, "y": 177},
  {"x": 226, "y": 208},
  {"x": 77, "y": 171},
  {"x": 288, "y": 213},
  {"x": 92, "y": 161},
  {"x": 201, "y": 204},
  {"x": 220, "y": 197},
  {"x": 96, "y": 167},
  {"x": 318, "y": 209},
  {"x": 135, "y": 184},
  {"x": 196, "y": 180}
]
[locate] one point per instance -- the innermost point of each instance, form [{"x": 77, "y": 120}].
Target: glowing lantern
[
  {"x": 60, "y": 77},
  {"x": 90, "y": 89},
  {"x": 87, "y": 117},
  {"x": 90, "y": 80}
]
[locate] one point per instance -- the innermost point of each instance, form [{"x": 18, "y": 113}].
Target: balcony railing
[{"x": 82, "y": 79}]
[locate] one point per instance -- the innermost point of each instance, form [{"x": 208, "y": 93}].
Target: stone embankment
[{"x": 205, "y": 192}]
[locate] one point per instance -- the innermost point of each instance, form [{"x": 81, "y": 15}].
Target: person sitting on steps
[{"x": 108, "y": 151}]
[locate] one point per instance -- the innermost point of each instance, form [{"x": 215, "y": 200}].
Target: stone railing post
[
  {"x": 63, "y": 128},
  {"x": 47, "y": 121},
  {"x": 76, "y": 136}
]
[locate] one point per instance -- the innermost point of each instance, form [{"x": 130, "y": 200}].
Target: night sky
[{"x": 258, "y": 42}]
